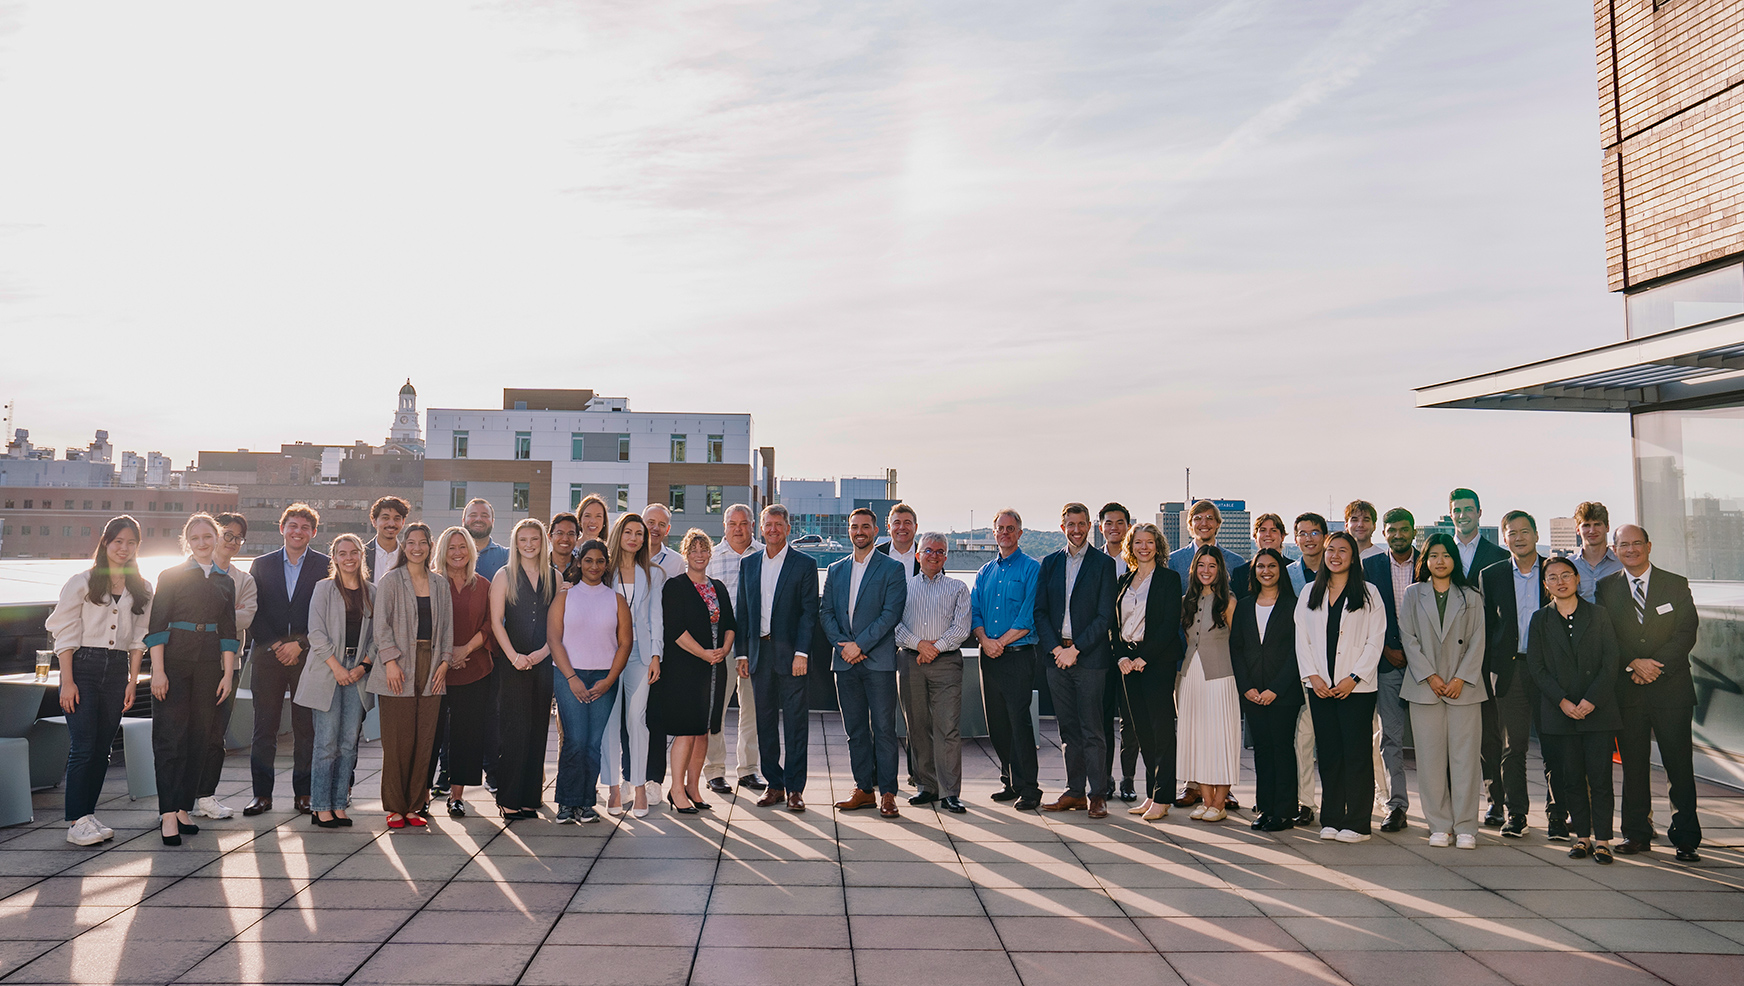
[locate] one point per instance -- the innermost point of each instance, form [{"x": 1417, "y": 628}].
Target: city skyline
[{"x": 903, "y": 238}]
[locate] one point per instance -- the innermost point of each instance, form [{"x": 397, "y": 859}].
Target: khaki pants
[
  {"x": 408, "y": 728},
  {"x": 715, "y": 762}
]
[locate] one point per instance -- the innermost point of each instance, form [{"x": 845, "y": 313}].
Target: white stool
[{"x": 141, "y": 762}]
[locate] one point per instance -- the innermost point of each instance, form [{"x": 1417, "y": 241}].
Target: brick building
[{"x": 66, "y": 521}]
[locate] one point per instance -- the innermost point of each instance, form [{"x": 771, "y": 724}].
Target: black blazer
[
  {"x": 1666, "y": 637},
  {"x": 1378, "y": 571},
  {"x": 1161, "y": 645},
  {"x": 282, "y": 613},
  {"x": 1488, "y": 553},
  {"x": 883, "y": 548},
  {"x": 1585, "y": 667},
  {"x": 1268, "y": 665},
  {"x": 1502, "y": 643},
  {"x": 1092, "y": 606},
  {"x": 684, "y": 612}
]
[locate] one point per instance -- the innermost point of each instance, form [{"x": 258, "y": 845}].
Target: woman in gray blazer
[
  {"x": 626, "y": 742},
  {"x": 1441, "y": 628},
  {"x": 332, "y": 683},
  {"x": 414, "y": 641}
]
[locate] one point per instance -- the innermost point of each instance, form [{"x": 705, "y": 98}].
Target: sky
[{"x": 1021, "y": 252}]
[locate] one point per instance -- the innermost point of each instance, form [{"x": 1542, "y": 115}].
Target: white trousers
[
  {"x": 1305, "y": 757},
  {"x": 632, "y": 702},
  {"x": 1450, "y": 772},
  {"x": 714, "y": 764}
]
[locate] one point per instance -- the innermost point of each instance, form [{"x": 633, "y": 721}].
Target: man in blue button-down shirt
[{"x": 1002, "y": 613}]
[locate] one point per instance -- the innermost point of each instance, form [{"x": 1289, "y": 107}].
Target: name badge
[{"x": 1663, "y": 609}]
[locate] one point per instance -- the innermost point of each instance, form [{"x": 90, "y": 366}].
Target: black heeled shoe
[
  {"x": 315, "y": 819},
  {"x": 171, "y": 840},
  {"x": 186, "y": 829},
  {"x": 688, "y": 810}
]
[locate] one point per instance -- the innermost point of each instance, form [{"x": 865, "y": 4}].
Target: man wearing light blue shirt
[
  {"x": 1203, "y": 520},
  {"x": 1595, "y": 559},
  {"x": 1002, "y": 616}
]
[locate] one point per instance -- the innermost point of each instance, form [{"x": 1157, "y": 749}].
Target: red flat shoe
[
  {"x": 396, "y": 821},
  {"x": 416, "y": 821}
]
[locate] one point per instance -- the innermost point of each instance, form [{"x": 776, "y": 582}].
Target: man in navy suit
[
  {"x": 777, "y": 613},
  {"x": 1074, "y": 614},
  {"x": 284, "y": 583},
  {"x": 864, "y": 598},
  {"x": 1391, "y": 572},
  {"x": 1513, "y": 590}
]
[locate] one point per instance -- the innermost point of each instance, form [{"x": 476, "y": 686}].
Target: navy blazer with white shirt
[
  {"x": 792, "y": 618},
  {"x": 1378, "y": 570},
  {"x": 877, "y": 610},
  {"x": 283, "y": 612},
  {"x": 1092, "y": 606}
]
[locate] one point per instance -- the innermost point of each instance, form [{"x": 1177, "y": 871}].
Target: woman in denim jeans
[
  {"x": 590, "y": 634},
  {"x": 340, "y": 635},
  {"x": 98, "y": 628}
]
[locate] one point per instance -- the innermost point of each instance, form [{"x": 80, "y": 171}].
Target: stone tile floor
[{"x": 746, "y": 895}]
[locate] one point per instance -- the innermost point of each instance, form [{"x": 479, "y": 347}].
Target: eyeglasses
[
  {"x": 932, "y": 551},
  {"x": 232, "y": 539},
  {"x": 1621, "y": 545}
]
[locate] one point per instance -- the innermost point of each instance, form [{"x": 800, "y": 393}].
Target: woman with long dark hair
[
  {"x": 1208, "y": 751},
  {"x": 641, "y": 583},
  {"x": 1442, "y": 630},
  {"x": 591, "y": 637},
  {"x": 414, "y": 640},
  {"x": 1147, "y": 652},
  {"x": 1262, "y": 646},
  {"x": 193, "y": 663},
  {"x": 1341, "y": 626},
  {"x": 333, "y": 684},
  {"x": 520, "y": 599},
  {"x": 98, "y": 630}
]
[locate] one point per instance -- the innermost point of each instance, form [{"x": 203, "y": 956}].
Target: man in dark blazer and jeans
[
  {"x": 1656, "y": 623},
  {"x": 1074, "y": 612},
  {"x": 284, "y": 583}
]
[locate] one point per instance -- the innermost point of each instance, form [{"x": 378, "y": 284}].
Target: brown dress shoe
[
  {"x": 795, "y": 802},
  {"x": 1098, "y": 807},
  {"x": 1066, "y": 803},
  {"x": 302, "y": 803},
  {"x": 773, "y": 796},
  {"x": 258, "y": 806},
  {"x": 887, "y": 806},
  {"x": 859, "y": 799}
]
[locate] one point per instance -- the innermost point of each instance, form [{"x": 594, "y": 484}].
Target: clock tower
[{"x": 406, "y": 430}]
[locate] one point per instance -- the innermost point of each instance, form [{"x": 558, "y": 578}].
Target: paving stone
[
  {"x": 1375, "y": 968},
  {"x": 445, "y": 965},
  {"x": 1636, "y": 935},
  {"x": 1506, "y": 934},
  {"x": 1072, "y": 934},
  {"x": 1547, "y": 968},
  {"x": 435, "y": 927},
  {"x": 609, "y": 965},
  {"x": 334, "y": 924},
  {"x": 773, "y": 967},
  {"x": 280, "y": 962},
  {"x": 1690, "y": 970},
  {"x": 640, "y": 930},
  {"x": 893, "y": 931},
  {"x": 914, "y": 900},
  {"x": 1247, "y": 968},
  {"x": 906, "y": 967},
  {"x": 112, "y": 960}
]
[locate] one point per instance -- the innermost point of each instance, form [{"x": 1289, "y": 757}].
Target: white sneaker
[
  {"x": 1466, "y": 842},
  {"x": 85, "y": 832},
  {"x": 654, "y": 792},
  {"x": 108, "y": 833},
  {"x": 1351, "y": 835},
  {"x": 1439, "y": 840},
  {"x": 211, "y": 808},
  {"x": 1329, "y": 833}
]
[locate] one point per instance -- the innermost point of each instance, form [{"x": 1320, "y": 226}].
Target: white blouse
[
  {"x": 1263, "y": 615},
  {"x": 78, "y": 622},
  {"x": 1132, "y": 610}
]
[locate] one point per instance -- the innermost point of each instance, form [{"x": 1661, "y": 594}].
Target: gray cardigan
[
  {"x": 316, "y": 686},
  {"x": 396, "y": 631},
  {"x": 1451, "y": 648}
]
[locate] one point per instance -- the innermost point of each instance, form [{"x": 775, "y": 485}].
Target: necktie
[{"x": 1640, "y": 595}]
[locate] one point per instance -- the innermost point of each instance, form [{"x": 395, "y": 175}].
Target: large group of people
[{"x": 462, "y": 645}]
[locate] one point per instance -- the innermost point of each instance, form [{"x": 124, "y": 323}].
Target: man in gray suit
[{"x": 864, "y": 597}]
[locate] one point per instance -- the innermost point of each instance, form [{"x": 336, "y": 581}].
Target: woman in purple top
[{"x": 590, "y": 634}]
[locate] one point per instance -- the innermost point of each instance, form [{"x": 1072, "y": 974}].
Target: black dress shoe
[
  {"x": 751, "y": 781},
  {"x": 1395, "y": 821},
  {"x": 1127, "y": 794},
  {"x": 1259, "y": 821},
  {"x": 923, "y": 798},
  {"x": 1005, "y": 794},
  {"x": 259, "y": 806},
  {"x": 171, "y": 840},
  {"x": 1304, "y": 815},
  {"x": 1516, "y": 827},
  {"x": 1493, "y": 818},
  {"x": 186, "y": 829},
  {"x": 1278, "y": 825},
  {"x": 953, "y": 805},
  {"x": 1029, "y": 802},
  {"x": 1556, "y": 829},
  {"x": 1688, "y": 856},
  {"x": 1629, "y": 847},
  {"x": 719, "y": 786},
  {"x": 1230, "y": 804}
]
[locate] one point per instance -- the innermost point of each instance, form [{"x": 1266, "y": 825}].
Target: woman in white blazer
[
  {"x": 333, "y": 681},
  {"x": 1341, "y": 625},
  {"x": 1442, "y": 630},
  {"x": 625, "y": 753}
]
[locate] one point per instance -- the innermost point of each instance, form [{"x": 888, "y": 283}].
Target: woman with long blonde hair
[
  {"x": 520, "y": 601},
  {"x": 333, "y": 683},
  {"x": 467, "y": 704}
]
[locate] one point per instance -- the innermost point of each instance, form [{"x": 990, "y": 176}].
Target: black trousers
[
  {"x": 1507, "y": 736},
  {"x": 657, "y": 749},
  {"x": 181, "y": 728},
  {"x": 1150, "y": 698},
  {"x": 1583, "y": 772},
  {"x": 1078, "y": 703},
  {"x": 1273, "y": 731},
  {"x": 213, "y": 769},
  {"x": 466, "y": 712},
  {"x": 1671, "y": 729},
  {"x": 1007, "y": 683},
  {"x": 524, "y": 724},
  {"x": 1114, "y": 704},
  {"x": 269, "y": 685},
  {"x": 1344, "y": 743}
]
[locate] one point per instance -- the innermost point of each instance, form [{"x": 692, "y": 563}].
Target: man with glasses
[
  {"x": 929, "y": 676},
  {"x": 1002, "y": 614},
  {"x": 1656, "y": 622},
  {"x": 233, "y": 531},
  {"x": 1513, "y": 590},
  {"x": 284, "y": 585}
]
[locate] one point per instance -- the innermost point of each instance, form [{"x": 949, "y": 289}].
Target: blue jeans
[
  {"x": 584, "y": 730},
  {"x": 101, "y": 676},
  {"x": 336, "y": 734}
]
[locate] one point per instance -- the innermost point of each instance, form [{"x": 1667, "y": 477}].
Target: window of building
[
  {"x": 127, "y": 504},
  {"x": 523, "y": 445},
  {"x": 67, "y": 505},
  {"x": 85, "y": 532},
  {"x": 29, "y": 504},
  {"x": 716, "y": 448},
  {"x": 459, "y": 445},
  {"x": 522, "y": 498},
  {"x": 577, "y": 446},
  {"x": 675, "y": 498},
  {"x": 9, "y": 505},
  {"x": 623, "y": 448},
  {"x": 457, "y": 496},
  {"x": 714, "y": 500},
  {"x": 108, "y": 504},
  {"x": 88, "y": 505},
  {"x": 43, "y": 530},
  {"x": 151, "y": 505},
  {"x": 151, "y": 532},
  {"x": 677, "y": 448},
  {"x": 67, "y": 531},
  {"x": 623, "y": 497},
  {"x": 6, "y": 530}
]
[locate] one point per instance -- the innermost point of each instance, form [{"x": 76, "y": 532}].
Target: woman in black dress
[{"x": 688, "y": 700}]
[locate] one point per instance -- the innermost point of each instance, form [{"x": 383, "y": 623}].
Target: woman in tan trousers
[{"x": 414, "y": 640}]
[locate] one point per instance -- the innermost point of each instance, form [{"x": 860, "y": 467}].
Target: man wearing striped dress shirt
[{"x": 929, "y": 675}]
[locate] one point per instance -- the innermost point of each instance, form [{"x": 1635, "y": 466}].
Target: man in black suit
[
  {"x": 1391, "y": 572},
  {"x": 1115, "y": 522},
  {"x": 1074, "y": 612},
  {"x": 1476, "y": 552},
  {"x": 777, "y": 612},
  {"x": 284, "y": 583},
  {"x": 1513, "y": 590},
  {"x": 1656, "y": 623}
]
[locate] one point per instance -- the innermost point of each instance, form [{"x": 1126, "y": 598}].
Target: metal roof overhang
[{"x": 1702, "y": 362}]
